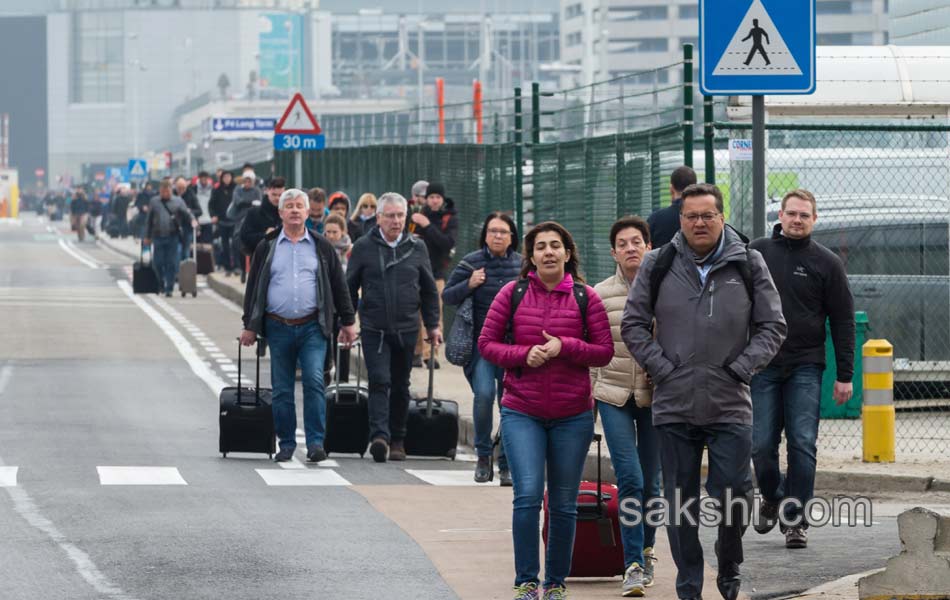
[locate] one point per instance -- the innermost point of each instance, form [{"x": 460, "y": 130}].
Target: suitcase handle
[
  {"x": 431, "y": 381},
  {"x": 257, "y": 379},
  {"x": 359, "y": 362}
]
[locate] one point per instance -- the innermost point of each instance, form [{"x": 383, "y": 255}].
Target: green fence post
[
  {"x": 688, "y": 105},
  {"x": 709, "y": 135},
  {"x": 535, "y": 113},
  {"x": 519, "y": 174}
]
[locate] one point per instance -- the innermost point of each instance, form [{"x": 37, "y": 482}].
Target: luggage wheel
[
  {"x": 194, "y": 294},
  {"x": 183, "y": 294},
  {"x": 224, "y": 455},
  {"x": 451, "y": 454}
]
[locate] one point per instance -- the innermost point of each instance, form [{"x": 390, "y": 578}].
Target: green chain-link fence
[{"x": 883, "y": 195}]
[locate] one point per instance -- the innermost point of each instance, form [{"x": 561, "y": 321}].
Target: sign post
[
  {"x": 757, "y": 47},
  {"x": 298, "y": 130}
]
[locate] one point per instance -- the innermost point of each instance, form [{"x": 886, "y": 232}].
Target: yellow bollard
[{"x": 877, "y": 413}]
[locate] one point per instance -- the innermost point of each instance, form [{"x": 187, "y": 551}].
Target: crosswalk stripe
[
  {"x": 140, "y": 476},
  {"x": 444, "y": 477},
  {"x": 305, "y": 477},
  {"x": 8, "y": 476}
]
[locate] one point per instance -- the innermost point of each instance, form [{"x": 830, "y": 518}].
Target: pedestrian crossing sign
[
  {"x": 138, "y": 168},
  {"x": 757, "y": 47},
  {"x": 297, "y": 118}
]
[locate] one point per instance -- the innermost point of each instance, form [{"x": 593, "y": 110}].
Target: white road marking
[
  {"x": 41, "y": 304},
  {"x": 8, "y": 476},
  {"x": 292, "y": 464},
  {"x": 445, "y": 477},
  {"x": 187, "y": 351},
  {"x": 306, "y": 477},
  {"x": 86, "y": 261},
  {"x": 224, "y": 361},
  {"x": 219, "y": 355},
  {"x": 228, "y": 368},
  {"x": 140, "y": 476},
  {"x": 28, "y": 510}
]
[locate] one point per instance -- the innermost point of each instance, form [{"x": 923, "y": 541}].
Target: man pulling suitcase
[{"x": 295, "y": 290}]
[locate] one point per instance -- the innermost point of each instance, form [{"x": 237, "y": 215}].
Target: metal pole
[
  {"x": 298, "y": 169},
  {"x": 758, "y": 166},
  {"x": 519, "y": 175},
  {"x": 709, "y": 135},
  {"x": 688, "y": 105},
  {"x": 535, "y": 113}
]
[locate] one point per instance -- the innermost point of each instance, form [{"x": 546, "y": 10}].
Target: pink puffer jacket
[{"x": 561, "y": 387}]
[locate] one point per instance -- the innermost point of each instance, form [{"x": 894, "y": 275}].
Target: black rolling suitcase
[
  {"x": 245, "y": 419},
  {"x": 432, "y": 427},
  {"x": 144, "y": 277},
  {"x": 347, "y": 412}
]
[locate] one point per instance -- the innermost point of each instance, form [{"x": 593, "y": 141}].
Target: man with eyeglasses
[
  {"x": 390, "y": 279},
  {"x": 718, "y": 320},
  {"x": 813, "y": 285}
]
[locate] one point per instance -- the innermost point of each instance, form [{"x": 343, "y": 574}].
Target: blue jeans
[
  {"x": 789, "y": 398},
  {"x": 532, "y": 444},
  {"x": 487, "y": 386},
  {"x": 288, "y": 345},
  {"x": 165, "y": 260},
  {"x": 632, "y": 442}
]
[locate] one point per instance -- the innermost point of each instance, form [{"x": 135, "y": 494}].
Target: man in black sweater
[
  {"x": 262, "y": 220},
  {"x": 665, "y": 222},
  {"x": 812, "y": 283}
]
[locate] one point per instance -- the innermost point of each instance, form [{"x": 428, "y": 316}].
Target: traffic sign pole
[
  {"x": 758, "y": 166},
  {"x": 298, "y": 170}
]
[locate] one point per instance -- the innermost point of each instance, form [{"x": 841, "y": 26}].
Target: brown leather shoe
[
  {"x": 397, "y": 450},
  {"x": 379, "y": 449}
]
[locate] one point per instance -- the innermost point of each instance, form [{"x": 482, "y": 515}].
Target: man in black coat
[
  {"x": 263, "y": 219},
  {"x": 390, "y": 279},
  {"x": 665, "y": 222},
  {"x": 813, "y": 286},
  {"x": 438, "y": 225}
]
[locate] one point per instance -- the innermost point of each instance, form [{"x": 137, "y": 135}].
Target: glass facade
[{"x": 97, "y": 58}]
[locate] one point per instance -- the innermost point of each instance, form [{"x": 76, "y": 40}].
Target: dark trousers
[
  {"x": 226, "y": 257},
  {"x": 681, "y": 454},
  {"x": 389, "y": 363}
]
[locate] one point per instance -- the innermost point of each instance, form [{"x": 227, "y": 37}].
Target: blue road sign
[
  {"x": 225, "y": 124},
  {"x": 299, "y": 141},
  {"x": 138, "y": 168},
  {"x": 757, "y": 46}
]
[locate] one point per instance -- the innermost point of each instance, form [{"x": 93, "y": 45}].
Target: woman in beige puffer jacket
[{"x": 624, "y": 393}]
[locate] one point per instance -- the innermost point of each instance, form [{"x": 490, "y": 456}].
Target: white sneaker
[
  {"x": 633, "y": 582},
  {"x": 649, "y": 564}
]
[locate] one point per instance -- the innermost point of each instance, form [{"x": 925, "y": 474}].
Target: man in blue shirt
[{"x": 296, "y": 290}]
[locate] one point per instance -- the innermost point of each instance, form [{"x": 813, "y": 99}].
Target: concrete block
[
  {"x": 940, "y": 485},
  {"x": 846, "y": 481},
  {"x": 922, "y": 570}
]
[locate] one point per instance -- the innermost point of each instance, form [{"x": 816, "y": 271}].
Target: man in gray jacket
[
  {"x": 166, "y": 222},
  {"x": 718, "y": 320}
]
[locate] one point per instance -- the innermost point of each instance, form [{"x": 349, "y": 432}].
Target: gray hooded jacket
[{"x": 701, "y": 330}]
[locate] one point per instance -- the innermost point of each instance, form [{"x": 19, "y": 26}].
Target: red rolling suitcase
[{"x": 598, "y": 550}]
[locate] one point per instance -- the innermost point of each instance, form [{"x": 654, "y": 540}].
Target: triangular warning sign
[
  {"x": 757, "y": 48},
  {"x": 138, "y": 170},
  {"x": 298, "y": 118}
]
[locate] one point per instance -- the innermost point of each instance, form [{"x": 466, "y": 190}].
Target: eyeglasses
[
  {"x": 365, "y": 206},
  {"x": 499, "y": 232},
  {"x": 793, "y": 214},
  {"x": 706, "y": 217}
]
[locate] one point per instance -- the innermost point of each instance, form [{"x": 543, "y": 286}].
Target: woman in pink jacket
[{"x": 546, "y": 414}]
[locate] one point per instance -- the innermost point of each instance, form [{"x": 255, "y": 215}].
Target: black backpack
[
  {"x": 521, "y": 288},
  {"x": 664, "y": 261}
]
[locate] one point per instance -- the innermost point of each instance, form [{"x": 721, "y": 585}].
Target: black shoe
[
  {"x": 483, "y": 470},
  {"x": 728, "y": 587},
  {"x": 316, "y": 454},
  {"x": 379, "y": 449},
  {"x": 795, "y": 537},
  {"x": 504, "y": 478},
  {"x": 284, "y": 455},
  {"x": 168, "y": 294},
  {"x": 417, "y": 361},
  {"x": 767, "y": 517}
]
